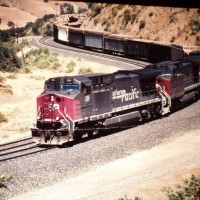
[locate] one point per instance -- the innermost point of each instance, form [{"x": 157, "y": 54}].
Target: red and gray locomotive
[{"x": 73, "y": 106}]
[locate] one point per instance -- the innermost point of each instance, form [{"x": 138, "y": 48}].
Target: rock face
[{"x": 161, "y": 24}]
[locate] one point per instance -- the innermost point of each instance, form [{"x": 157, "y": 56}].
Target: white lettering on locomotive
[
  {"x": 87, "y": 98},
  {"x": 125, "y": 96}
]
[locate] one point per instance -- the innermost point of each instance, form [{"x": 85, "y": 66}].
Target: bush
[
  {"x": 96, "y": 9},
  {"x": 190, "y": 190},
  {"x": 120, "y": 6},
  {"x": 150, "y": 14},
  {"x": 114, "y": 11},
  {"x": 84, "y": 70},
  {"x": 104, "y": 21},
  {"x": 142, "y": 24},
  {"x": 3, "y": 118},
  {"x": 133, "y": 7},
  {"x": 127, "y": 16},
  {"x": 12, "y": 76},
  {"x": 172, "y": 39},
  {"x": 133, "y": 18},
  {"x": 70, "y": 66},
  {"x": 42, "y": 59},
  {"x": 8, "y": 59},
  {"x": 195, "y": 25},
  {"x": 7, "y": 89},
  {"x": 4, "y": 179},
  {"x": 56, "y": 65}
]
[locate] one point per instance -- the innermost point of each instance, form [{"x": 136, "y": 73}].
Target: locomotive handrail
[
  {"x": 166, "y": 99},
  {"x": 71, "y": 130}
]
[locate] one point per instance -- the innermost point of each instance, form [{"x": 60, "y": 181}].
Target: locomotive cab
[{"x": 58, "y": 107}]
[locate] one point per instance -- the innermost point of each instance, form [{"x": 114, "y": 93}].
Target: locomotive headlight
[
  {"x": 52, "y": 98},
  {"x": 38, "y": 117},
  {"x": 57, "y": 118}
]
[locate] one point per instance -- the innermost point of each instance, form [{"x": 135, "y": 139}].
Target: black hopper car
[
  {"x": 115, "y": 44},
  {"x": 72, "y": 106}
]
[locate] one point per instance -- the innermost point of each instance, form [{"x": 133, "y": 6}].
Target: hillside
[
  {"x": 162, "y": 24},
  {"x": 21, "y": 12}
]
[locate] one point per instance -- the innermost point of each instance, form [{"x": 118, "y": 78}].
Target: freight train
[
  {"x": 73, "y": 106},
  {"x": 115, "y": 44}
]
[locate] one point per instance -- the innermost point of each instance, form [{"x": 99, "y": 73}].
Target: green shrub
[
  {"x": 4, "y": 179},
  {"x": 85, "y": 70},
  {"x": 71, "y": 64},
  {"x": 12, "y": 76},
  {"x": 195, "y": 25},
  {"x": 26, "y": 70},
  {"x": 114, "y": 11},
  {"x": 3, "y": 118},
  {"x": 172, "y": 39},
  {"x": 127, "y": 16},
  {"x": 8, "y": 59},
  {"x": 42, "y": 59},
  {"x": 104, "y": 21},
  {"x": 96, "y": 9},
  {"x": 7, "y": 89},
  {"x": 120, "y": 6},
  {"x": 56, "y": 65},
  {"x": 190, "y": 190},
  {"x": 142, "y": 24},
  {"x": 133, "y": 7},
  {"x": 133, "y": 17}
]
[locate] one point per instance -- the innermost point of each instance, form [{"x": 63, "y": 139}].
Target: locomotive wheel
[
  {"x": 77, "y": 136},
  {"x": 90, "y": 133}
]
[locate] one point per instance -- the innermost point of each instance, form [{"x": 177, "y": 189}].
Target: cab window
[{"x": 70, "y": 87}]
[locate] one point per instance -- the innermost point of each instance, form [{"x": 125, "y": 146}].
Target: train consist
[
  {"x": 115, "y": 44},
  {"x": 73, "y": 106}
]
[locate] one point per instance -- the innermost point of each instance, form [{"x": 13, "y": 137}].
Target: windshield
[
  {"x": 51, "y": 86},
  {"x": 70, "y": 88}
]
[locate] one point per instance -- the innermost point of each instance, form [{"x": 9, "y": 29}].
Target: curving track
[{"x": 61, "y": 48}]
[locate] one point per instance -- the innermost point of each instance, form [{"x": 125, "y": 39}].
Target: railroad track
[
  {"x": 19, "y": 148},
  {"x": 50, "y": 43}
]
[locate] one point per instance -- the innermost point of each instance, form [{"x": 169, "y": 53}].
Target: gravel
[
  {"x": 46, "y": 168},
  {"x": 49, "y": 167}
]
